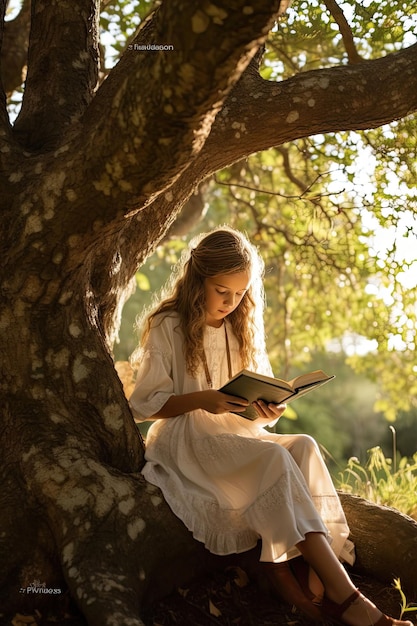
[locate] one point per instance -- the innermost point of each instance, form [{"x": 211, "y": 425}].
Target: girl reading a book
[{"x": 228, "y": 479}]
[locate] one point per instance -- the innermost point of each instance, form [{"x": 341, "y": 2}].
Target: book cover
[{"x": 253, "y": 386}]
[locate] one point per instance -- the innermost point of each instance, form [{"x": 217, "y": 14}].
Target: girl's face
[{"x": 223, "y": 294}]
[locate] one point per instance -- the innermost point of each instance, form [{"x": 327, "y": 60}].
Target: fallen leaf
[
  {"x": 214, "y": 610},
  {"x": 24, "y": 620},
  {"x": 241, "y": 578}
]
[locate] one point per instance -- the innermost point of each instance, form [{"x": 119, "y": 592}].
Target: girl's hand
[
  {"x": 217, "y": 402},
  {"x": 269, "y": 411}
]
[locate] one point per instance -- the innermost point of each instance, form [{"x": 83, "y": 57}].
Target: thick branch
[
  {"x": 5, "y": 129},
  {"x": 262, "y": 114},
  {"x": 2, "y": 94},
  {"x": 63, "y": 44},
  {"x": 14, "y": 49},
  {"x": 133, "y": 144},
  {"x": 257, "y": 115},
  {"x": 185, "y": 89},
  {"x": 380, "y": 556}
]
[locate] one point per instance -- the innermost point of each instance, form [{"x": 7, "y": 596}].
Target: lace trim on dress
[
  {"x": 153, "y": 349},
  {"x": 225, "y": 530},
  {"x": 207, "y": 448}
]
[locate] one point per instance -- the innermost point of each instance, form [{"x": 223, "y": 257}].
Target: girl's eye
[{"x": 221, "y": 292}]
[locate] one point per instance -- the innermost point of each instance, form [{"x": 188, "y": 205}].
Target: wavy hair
[{"x": 222, "y": 251}]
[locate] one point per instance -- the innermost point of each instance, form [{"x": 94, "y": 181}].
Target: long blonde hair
[{"x": 223, "y": 251}]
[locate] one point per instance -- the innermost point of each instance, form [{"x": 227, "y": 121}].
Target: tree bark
[
  {"x": 14, "y": 48},
  {"x": 71, "y": 453},
  {"x": 381, "y": 553},
  {"x": 90, "y": 182}
]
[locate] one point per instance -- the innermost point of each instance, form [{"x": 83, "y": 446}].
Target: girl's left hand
[{"x": 269, "y": 411}]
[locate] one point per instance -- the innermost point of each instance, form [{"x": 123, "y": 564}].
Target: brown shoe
[
  {"x": 301, "y": 570},
  {"x": 286, "y": 585},
  {"x": 335, "y": 611}
]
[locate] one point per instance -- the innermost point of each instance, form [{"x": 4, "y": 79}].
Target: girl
[{"x": 227, "y": 478}]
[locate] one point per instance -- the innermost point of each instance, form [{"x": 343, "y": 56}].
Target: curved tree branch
[
  {"x": 211, "y": 48},
  {"x": 141, "y": 146},
  {"x": 262, "y": 114}
]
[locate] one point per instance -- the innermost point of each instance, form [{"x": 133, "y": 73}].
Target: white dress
[{"x": 228, "y": 479}]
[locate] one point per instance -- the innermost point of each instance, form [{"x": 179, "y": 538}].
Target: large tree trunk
[
  {"x": 90, "y": 182},
  {"x": 74, "y": 510}
]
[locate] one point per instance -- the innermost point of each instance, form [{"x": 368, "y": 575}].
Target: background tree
[{"x": 93, "y": 173}]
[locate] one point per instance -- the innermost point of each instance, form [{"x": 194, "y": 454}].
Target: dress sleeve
[{"x": 154, "y": 380}]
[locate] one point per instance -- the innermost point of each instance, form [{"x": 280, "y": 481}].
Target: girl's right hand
[{"x": 217, "y": 402}]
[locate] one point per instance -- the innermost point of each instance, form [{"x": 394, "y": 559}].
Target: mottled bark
[
  {"x": 64, "y": 45},
  {"x": 14, "y": 48},
  {"x": 89, "y": 183},
  {"x": 74, "y": 509},
  {"x": 386, "y": 542}
]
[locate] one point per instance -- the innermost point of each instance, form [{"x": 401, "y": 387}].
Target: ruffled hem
[
  {"x": 232, "y": 531},
  {"x": 222, "y": 531}
]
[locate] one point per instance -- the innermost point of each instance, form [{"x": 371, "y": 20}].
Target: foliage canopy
[{"x": 334, "y": 215}]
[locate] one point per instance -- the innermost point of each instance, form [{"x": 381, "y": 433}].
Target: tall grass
[
  {"x": 383, "y": 480},
  {"x": 388, "y": 482}
]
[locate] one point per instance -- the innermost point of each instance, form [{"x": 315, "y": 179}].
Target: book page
[{"x": 306, "y": 380}]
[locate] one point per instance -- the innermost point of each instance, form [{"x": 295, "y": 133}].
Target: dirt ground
[{"x": 227, "y": 598}]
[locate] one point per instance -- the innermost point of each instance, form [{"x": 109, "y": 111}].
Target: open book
[{"x": 252, "y": 386}]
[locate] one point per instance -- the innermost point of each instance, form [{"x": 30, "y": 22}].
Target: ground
[
  {"x": 227, "y": 598},
  {"x": 224, "y": 602}
]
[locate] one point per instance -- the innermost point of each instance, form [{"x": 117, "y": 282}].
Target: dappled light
[{"x": 126, "y": 127}]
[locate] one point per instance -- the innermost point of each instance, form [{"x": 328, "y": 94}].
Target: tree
[{"x": 91, "y": 178}]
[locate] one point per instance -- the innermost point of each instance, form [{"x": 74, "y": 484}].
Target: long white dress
[{"x": 228, "y": 479}]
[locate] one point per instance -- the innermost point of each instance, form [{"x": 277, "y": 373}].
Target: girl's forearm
[
  {"x": 210, "y": 400},
  {"x": 177, "y": 405}
]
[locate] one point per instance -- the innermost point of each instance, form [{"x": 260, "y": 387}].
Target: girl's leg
[
  {"x": 285, "y": 584},
  {"x": 307, "y": 456},
  {"x": 337, "y": 584}
]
